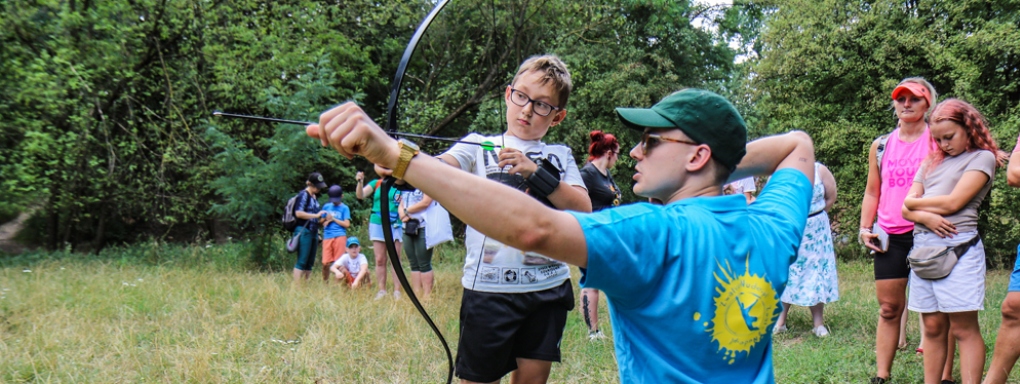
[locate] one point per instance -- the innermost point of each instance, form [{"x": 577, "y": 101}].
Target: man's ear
[{"x": 699, "y": 159}]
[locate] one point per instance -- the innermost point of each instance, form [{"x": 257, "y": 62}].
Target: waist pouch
[{"x": 936, "y": 262}]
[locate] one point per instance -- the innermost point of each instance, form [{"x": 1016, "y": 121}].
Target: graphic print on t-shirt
[
  {"x": 900, "y": 172},
  {"x": 490, "y": 266},
  {"x": 490, "y": 159},
  {"x": 745, "y": 307}
]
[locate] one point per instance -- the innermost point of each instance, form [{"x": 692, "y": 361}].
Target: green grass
[
  {"x": 155, "y": 313},
  {"x": 847, "y": 355}
]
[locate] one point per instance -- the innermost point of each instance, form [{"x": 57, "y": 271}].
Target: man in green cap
[{"x": 693, "y": 282}]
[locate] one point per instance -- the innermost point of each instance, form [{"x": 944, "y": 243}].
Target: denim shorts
[{"x": 375, "y": 233}]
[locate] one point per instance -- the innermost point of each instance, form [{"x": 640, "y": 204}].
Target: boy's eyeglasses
[
  {"x": 540, "y": 108},
  {"x": 650, "y": 140}
]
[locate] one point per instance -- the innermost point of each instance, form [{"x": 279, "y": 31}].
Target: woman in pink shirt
[{"x": 888, "y": 183}]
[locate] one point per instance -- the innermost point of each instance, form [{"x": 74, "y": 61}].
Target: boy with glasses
[
  {"x": 515, "y": 304},
  {"x": 693, "y": 284}
]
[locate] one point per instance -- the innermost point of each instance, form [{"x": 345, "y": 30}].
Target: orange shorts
[
  {"x": 349, "y": 278},
  {"x": 333, "y": 248}
]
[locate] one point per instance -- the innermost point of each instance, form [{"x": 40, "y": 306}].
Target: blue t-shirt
[
  {"x": 306, "y": 203},
  {"x": 340, "y": 212},
  {"x": 694, "y": 286}
]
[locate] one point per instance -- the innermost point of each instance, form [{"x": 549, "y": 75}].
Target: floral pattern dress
[{"x": 813, "y": 277}]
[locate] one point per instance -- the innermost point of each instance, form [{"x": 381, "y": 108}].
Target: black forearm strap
[{"x": 544, "y": 181}]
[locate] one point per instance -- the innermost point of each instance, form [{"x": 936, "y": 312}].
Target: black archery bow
[{"x": 384, "y": 206}]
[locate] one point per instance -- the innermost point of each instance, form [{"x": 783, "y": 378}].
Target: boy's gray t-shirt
[{"x": 944, "y": 177}]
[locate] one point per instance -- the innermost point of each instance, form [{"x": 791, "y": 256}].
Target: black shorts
[
  {"x": 498, "y": 328},
  {"x": 893, "y": 263}
]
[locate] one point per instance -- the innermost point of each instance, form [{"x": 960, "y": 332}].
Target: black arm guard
[{"x": 544, "y": 181}]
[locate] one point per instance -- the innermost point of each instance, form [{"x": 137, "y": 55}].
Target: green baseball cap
[{"x": 704, "y": 116}]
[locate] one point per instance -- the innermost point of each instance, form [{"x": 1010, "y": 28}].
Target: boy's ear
[{"x": 558, "y": 117}]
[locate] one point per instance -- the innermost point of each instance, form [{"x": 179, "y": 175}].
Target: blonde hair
[
  {"x": 553, "y": 69},
  {"x": 931, "y": 90}
]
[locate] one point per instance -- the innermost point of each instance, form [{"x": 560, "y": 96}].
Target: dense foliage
[
  {"x": 828, "y": 67},
  {"x": 106, "y": 106}
]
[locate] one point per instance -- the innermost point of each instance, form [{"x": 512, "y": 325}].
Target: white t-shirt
[
  {"x": 353, "y": 266},
  {"x": 491, "y": 266}
]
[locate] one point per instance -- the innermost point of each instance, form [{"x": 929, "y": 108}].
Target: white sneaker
[
  {"x": 820, "y": 331},
  {"x": 396, "y": 295},
  {"x": 381, "y": 294},
  {"x": 779, "y": 329},
  {"x": 596, "y": 335}
]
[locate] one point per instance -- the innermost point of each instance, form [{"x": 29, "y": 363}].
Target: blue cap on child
[{"x": 352, "y": 241}]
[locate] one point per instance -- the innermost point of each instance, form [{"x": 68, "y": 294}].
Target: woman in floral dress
[{"x": 813, "y": 280}]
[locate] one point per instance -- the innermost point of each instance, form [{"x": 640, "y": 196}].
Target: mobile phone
[{"x": 882, "y": 241}]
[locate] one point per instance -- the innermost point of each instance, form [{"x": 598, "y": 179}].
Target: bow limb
[
  {"x": 384, "y": 206},
  {"x": 398, "y": 79},
  {"x": 391, "y": 249}
]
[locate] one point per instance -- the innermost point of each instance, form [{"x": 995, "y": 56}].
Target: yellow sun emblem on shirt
[{"x": 745, "y": 307}]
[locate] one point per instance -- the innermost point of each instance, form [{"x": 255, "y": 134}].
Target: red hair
[
  {"x": 601, "y": 143},
  {"x": 973, "y": 123}
]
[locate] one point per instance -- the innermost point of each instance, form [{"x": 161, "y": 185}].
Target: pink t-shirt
[
  {"x": 1017, "y": 147},
  {"x": 900, "y": 162}
]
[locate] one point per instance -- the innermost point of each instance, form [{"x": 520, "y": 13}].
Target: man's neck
[{"x": 695, "y": 189}]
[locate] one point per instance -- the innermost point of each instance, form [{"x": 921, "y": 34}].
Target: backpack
[
  {"x": 882, "y": 140},
  {"x": 289, "y": 220}
]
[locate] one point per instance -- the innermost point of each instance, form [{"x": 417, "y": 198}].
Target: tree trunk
[
  {"x": 97, "y": 242},
  {"x": 52, "y": 226},
  {"x": 220, "y": 229}
]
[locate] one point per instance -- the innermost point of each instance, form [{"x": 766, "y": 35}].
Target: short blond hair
[{"x": 554, "y": 70}]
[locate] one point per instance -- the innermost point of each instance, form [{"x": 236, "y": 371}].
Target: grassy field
[{"x": 193, "y": 317}]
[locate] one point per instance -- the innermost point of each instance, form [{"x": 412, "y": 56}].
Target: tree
[
  {"x": 827, "y": 67},
  {"x": 106, "y": 114}
]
